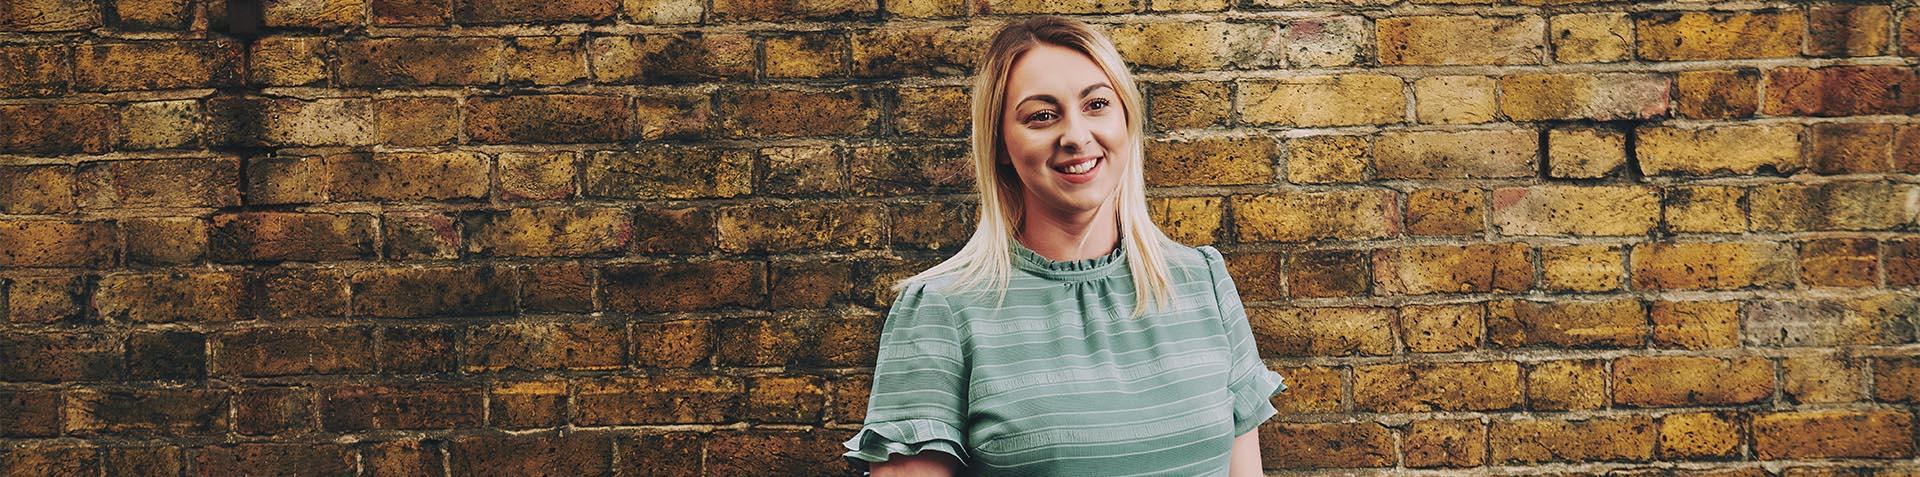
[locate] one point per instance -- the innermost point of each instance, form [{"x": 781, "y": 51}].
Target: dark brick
[
  {"x": 412, "y": 12},
  {"x": 57, "y": 128},
  {"x": 673, "y": 230},
  {"x": 670, "y": 454},
  {"x": 161, "y": 460},
  {"x": 1327, "y": 273},
  {"x": 531, "y": 11},
  {"x": 147, "y": 412},
  {"x": 419, "y": 61},
  {"x": 283, "y": 411},
  {"x": 792, "y": 112},
  {"x": 555, "y": 118},
  {"x": 33, "y": 70},
  {"x": 443, "y": 290},
  {"x": 890, "y": 170},
  {"x": 302, "y": 459},
  {"x": 543, "y": 454},
  {"x": 54, "y": 357},
  {"x": 673, "y": 58},
  {"x": 799, "y": 452},
  {"x": 205, "y": 296},
  {"x": 261, "y": 352},
  {"x": 248, "y": 236},
  {"x": 414, "y": 405},
  {"x": 419, "y": 349},
  {"x": 29, "y": 413},
  {"x": 286, "y": 293},
  {"x": 669, "y": 172},
  {"x": 43, "y": 189},
  {"x": 545, "y": 346},
  {"x": 404, "y": 457},
  {"x": 665, "y": 399},
  {"x": 649, "y": 288},
  {"x": 166, "y": 355},
  {"x": 156, "y": 65}
]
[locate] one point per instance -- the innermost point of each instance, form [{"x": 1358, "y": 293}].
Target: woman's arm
[
  {"x": 925, "y": 464},
  {"x": 1244, "y": 460}
]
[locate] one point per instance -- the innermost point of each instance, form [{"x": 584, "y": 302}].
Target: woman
[{"x": 1069, "y": 336}]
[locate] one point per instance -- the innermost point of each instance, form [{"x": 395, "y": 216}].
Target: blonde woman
[{"x": 1069, "y": 336}]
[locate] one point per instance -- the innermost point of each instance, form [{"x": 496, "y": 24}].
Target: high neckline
[{"x": 1071, "y": 270}]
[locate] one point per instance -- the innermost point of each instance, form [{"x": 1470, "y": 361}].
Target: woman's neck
[{"x": 1064, "y": 237}]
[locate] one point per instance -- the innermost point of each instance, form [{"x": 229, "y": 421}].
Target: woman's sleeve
[
  {"x": 1249, "y": 381},
  {"x": 919, "y": 397}
]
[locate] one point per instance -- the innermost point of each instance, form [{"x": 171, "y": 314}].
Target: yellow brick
[
  {"x": 1292, "y": 216},
  {"x": 1695, "y": 324},
  {"x": 1695, "y": 435},
  {"x": 1603, "y": 96},
  {"x": 1328, "y": 159},
  {"x": 1575, "y": 210},
  {"x": 1188, "y": 220},
  {"x": 1566, "y": 385},
  {"x": 1676, "y": 36},
  {"x": 1585, "y": 153},
  {"x": 1705, "y": 209},
  {"x": 1591, "y": 37},
  {"x": 1456, "y": 154},
  {"x": 1442, "y": 328},
  {"x": 1582, "y": 268},
  {"x": 1197, "y": 46},
  {"x": 1455, "y": 99},
  {"x": 1461, "y": 40},
  {"x": 1742, "y": 149},
  {"x": 1215, "y": 160},
  {"x": 1315, "y": 101}
]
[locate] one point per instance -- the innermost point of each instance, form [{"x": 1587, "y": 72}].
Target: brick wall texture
[{"x": 653, "y": 237}]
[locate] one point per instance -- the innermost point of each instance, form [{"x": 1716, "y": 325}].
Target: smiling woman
[{"x": 1069, "y": 336}]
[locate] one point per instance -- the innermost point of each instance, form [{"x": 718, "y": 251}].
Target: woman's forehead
[{"x": 1052, "y": 70}]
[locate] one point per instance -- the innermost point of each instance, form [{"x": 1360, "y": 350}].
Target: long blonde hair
[{"x": 985, "y": 262}]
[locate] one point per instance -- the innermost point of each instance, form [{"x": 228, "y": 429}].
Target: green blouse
[{"x": 1059, "y": 381}]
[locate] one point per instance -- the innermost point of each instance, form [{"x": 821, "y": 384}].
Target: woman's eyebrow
[{"x": 1050, "y": 99}]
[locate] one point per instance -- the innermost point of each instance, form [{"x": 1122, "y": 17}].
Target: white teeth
[{"x": 1082, "y": 167}]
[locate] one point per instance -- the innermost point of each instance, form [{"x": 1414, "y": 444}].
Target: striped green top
[{"x": 1060, "y": 381}]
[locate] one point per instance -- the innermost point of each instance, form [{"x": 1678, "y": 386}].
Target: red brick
[{"x": 1841, "y": 91}]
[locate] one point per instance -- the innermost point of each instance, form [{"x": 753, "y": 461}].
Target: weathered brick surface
[{"x": 656, "y": 237}]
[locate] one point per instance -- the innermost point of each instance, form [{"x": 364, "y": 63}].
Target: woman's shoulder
[{"x": 1197, "y": 262}]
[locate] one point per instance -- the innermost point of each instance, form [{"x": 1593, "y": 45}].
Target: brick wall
[{"x": 338, "y": 237}]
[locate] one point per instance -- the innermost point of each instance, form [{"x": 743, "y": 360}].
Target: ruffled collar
[{"x": 1082, "y": 269}]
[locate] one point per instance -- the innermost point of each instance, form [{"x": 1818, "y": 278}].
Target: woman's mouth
[{"x": 1081, "y": 171}]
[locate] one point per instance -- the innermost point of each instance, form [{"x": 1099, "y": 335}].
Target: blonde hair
[{"x": 985, "y": 262}]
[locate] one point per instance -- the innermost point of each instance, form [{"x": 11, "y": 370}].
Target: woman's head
[
  {"x": 1053, "y": 95},
  {"x": 1049, "y": 93}
]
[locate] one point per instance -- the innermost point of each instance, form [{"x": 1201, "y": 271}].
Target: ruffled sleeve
[
  {"x": 1249, "y": 381},
  {"x": 919, "y": 397}
]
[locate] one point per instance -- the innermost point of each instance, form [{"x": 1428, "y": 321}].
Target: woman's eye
[
  {"x": 1040, "y": 116},
  {"x": 1099, "y": 102}
]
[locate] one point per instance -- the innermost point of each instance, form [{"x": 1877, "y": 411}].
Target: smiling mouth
[{"x": 1081, "y": 167}]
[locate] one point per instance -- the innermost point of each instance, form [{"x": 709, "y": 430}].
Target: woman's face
[{"x": 1065, "y": 130}]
